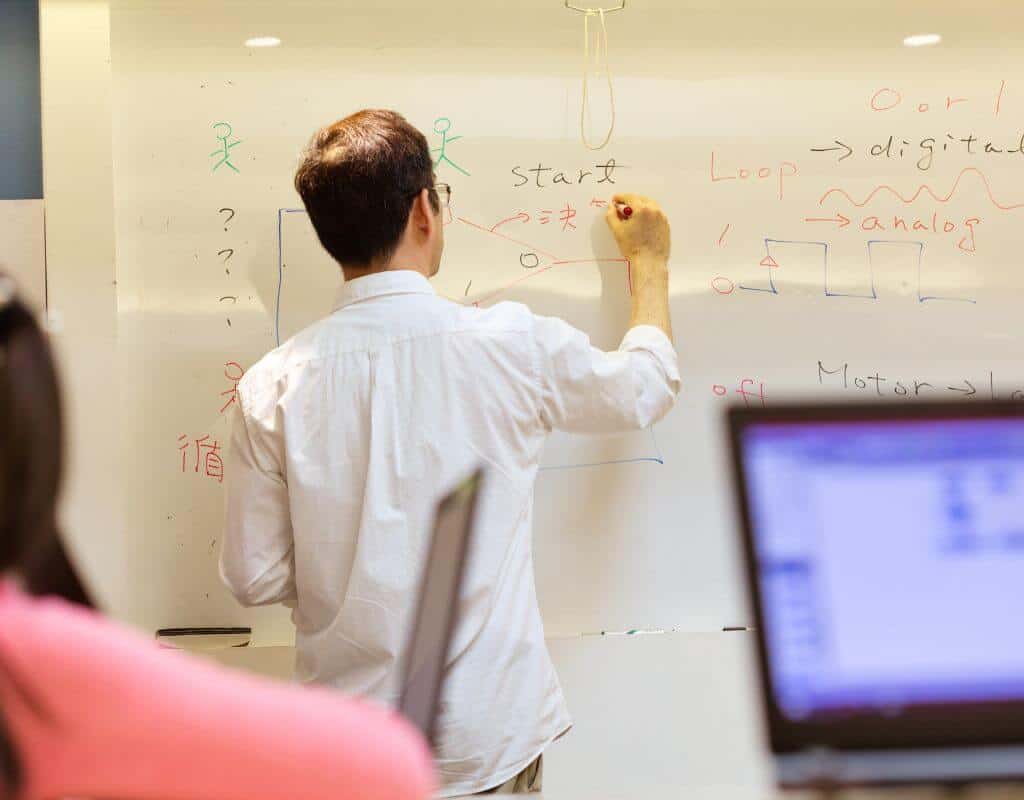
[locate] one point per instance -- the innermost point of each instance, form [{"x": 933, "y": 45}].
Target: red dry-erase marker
[{"x": 624, "y": 211}]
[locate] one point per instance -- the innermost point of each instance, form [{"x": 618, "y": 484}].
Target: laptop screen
[{"x": 890, "y": 561}]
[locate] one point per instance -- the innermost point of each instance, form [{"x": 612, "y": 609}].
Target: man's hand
[
  {"x": 645, "y": 240},
  {"x": 645, "y": 233}
]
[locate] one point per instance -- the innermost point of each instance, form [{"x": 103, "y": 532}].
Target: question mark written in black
[
  {"x": 231, "y": 215},
  {"x": 227, "y": 258}
]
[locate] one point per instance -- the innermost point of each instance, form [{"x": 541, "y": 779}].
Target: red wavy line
[{"x": 924, "y": 187}]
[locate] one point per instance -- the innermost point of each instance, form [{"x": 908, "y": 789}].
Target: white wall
[
  {"x": 22, "y": 247},
  {"x": 78, "y": 189}
]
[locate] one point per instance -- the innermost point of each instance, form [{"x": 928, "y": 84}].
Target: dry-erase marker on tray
[{"x": 204, "y": 638}]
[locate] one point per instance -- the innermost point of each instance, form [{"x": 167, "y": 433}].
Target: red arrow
[
  {"x": 842, "y": 219},
  {"x": 522, "y": 216}
]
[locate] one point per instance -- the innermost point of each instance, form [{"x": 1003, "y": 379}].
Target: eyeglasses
[{"x": 444, "y": 193}]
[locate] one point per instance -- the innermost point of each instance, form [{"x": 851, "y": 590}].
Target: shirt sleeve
[
  {"x": 257, "y": 561},
  {"x": 587, "y": 390}
]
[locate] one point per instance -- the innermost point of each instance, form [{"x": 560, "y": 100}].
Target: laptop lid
[
  {"x": 884, "y": 547},
  {"x": 430, "y": 637}
]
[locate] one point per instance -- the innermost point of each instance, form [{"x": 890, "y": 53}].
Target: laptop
[
  {"x": 884, "y": 547},
  {"x": 430, "y": 638}
]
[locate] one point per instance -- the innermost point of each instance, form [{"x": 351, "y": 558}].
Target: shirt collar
[{"x": 378, "y": 284}]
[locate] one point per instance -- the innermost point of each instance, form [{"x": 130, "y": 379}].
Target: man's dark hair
[{"x": 358, "y": 179}]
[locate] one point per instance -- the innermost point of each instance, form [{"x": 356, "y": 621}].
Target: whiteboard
[
  {"x": 812, "y": 256},
  {"x": 23, "y": 248}
]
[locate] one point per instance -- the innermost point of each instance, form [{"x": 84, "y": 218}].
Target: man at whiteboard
[{"x": 347, "y": 434}]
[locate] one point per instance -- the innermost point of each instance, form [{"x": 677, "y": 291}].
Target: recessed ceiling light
[
  {"x": 922, "y": 39},
  {"x": 263, "y": 41}
]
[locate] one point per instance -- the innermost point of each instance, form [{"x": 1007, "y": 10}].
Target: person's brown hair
[
  {"x": 358, "y": 178},
  {"x": 31, "y": 456},
  {"x": 31, "y": 432},
  {"x": 31, "y": 467}
]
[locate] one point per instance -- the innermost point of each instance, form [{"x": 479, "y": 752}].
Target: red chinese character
[
  {"x": 213, "y": 465},
  {"x": 568, "y": 215},
  {"x": 199, "y": 450},
  {"x": 184, "y": 450},
  {"x": 597, "y": 203},
  {"x": 545, "y": 217}
]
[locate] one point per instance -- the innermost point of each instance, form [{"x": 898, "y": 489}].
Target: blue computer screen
[{"x": 890, "y": 561}]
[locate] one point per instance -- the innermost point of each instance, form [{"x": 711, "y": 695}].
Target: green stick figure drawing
[
  {"x": 224, "y": 151},
  {"x": 441, "y": 126}
]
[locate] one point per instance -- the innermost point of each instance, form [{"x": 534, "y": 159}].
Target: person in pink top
[{"x": 91, "y": 709}]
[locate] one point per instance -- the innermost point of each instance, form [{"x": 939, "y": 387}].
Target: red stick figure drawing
[{"x": 233, "y": 372}]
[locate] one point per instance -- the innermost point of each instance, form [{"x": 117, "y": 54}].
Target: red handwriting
[
  {"x": 522, "y": 216},
  {"x": 841, "y": 219},
  {"x": 207, "y": 456},
  {"x": 724, "y": 231},
  {"x": 923, "y": 188},
  {"x": 887, "y": 98},
  {"x": 934, "y": 225},
  {"x": 783, "y": 170},
  {"x": 748, "y": 394},
  {"x": 567, "y": 217},
  {"x": 966, "y": 243},
  {"x": 546, "y": 216},
  {"x": 723, "y": 285}
]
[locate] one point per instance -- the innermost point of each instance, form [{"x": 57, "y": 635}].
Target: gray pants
[{"x": 528, "y": 781}]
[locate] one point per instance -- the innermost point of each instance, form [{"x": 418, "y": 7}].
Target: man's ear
[{"x": 423, "y": 217}]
